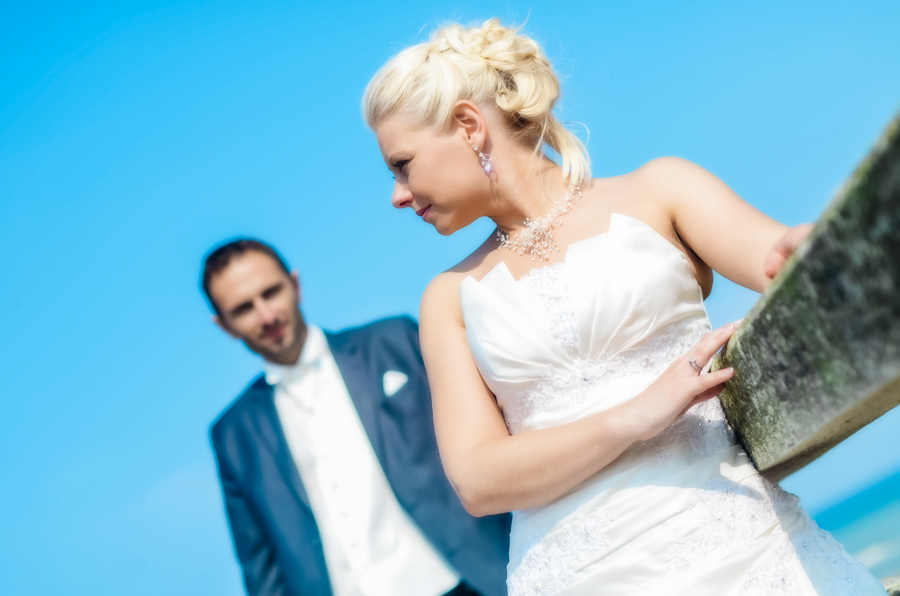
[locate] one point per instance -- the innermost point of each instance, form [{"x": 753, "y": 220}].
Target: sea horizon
[{"x": 868, "y": 525}]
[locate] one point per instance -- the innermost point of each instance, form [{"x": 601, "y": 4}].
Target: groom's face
[{"x": 260, "y": 304}]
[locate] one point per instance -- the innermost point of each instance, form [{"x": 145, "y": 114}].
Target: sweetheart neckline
[{"x": 573, "y": 243}]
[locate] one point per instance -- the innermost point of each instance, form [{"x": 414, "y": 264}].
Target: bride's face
[{"x": 437, "y": 174}]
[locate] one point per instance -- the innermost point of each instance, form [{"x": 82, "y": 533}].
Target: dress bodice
[
  {"x": 587, "y": 333},
  {"x": 682, "y": 513}
]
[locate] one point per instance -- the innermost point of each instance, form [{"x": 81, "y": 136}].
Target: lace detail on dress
[
  {"x": 733, "y": 516},
  {"x": 548, "y": 565},
  {"x": 847, "y": 576},
  {"x": 703, "y": 428},
  {"x": 547, "y": 289},
  {"x": 773, "y": 575},
  {"x": 562, "y": 388},
  {"x": 730, "y": 517}
]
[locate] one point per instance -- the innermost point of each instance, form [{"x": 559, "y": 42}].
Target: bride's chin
[
  {"x": 444, "y": 229},
  {"x": 451, "y": 227}
]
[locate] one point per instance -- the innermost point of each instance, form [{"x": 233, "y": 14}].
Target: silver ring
[{"x": 694, "y": 365}]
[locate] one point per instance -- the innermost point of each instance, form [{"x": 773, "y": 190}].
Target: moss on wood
[
  {"x": 892, "y": 584},
  {"x": 818, "y": 357}
]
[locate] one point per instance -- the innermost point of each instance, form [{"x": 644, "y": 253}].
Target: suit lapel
[
  {"x": 363, "y": 389},
  {"x": 272, "y": 436}
]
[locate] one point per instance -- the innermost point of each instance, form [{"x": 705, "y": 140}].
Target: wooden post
[
  {"x": 892, "y": 584},
  {"x": 818, "y": 357}
]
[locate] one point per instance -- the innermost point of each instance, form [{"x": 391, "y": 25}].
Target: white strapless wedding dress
[{"x": 684, "y": 513}]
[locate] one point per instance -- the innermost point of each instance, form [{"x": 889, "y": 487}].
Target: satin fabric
[{"x": 684, "y": 513}]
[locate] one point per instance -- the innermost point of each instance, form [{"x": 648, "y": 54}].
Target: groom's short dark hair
[{"x": 219, "y": 257}]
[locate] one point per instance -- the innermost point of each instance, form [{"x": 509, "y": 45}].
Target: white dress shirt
[{"x": 372, "y": 547}]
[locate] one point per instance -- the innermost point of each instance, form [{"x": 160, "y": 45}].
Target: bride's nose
[{"x": 401, "y": 197}]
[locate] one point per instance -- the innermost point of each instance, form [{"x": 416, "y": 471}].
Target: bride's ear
[{"x": 469, "y": 121}]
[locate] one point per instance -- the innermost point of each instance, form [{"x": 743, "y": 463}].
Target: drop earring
[{"x": 485, "y": 160}]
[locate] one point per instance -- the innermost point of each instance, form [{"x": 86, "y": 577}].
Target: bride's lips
[{"x": 422, "y": 212}]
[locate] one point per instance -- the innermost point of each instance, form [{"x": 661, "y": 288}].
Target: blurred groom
[{"x": 328, "y": 461}]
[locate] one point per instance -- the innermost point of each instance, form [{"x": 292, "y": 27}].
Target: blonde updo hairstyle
[{"x": 490, "y": 65}]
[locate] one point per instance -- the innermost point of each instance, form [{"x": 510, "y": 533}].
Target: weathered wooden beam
[
  {"x": 818, "y": 357},
  {"x": 892, "y": 584}
]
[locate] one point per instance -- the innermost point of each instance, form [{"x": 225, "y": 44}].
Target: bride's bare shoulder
[
  {"x": 443, "y": 290},
  {"x": 660, "y": 170},
  {"x": 478, "y": 263},
  {"x": 665, "y": 169},
  {"x": 666, "y": 177},
  {"x": 652, "y": 186}
]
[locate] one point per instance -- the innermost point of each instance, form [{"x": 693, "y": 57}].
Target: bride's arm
[
  {"x": 494, "y": 472},
  {"x": 728, "y": 234}
]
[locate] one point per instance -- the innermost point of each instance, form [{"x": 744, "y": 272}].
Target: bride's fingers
[
  {"x": 705, "y": 395},
  {"x": 712, "y": 343},
  {"x": 718, "y": 377},
  {"x": 710, "y": 393}
]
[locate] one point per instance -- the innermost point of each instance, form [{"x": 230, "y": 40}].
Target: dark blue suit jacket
[{"x": 275, "y": 535}]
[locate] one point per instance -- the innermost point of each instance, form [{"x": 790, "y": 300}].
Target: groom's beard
[{"x": 288, "y": 350}]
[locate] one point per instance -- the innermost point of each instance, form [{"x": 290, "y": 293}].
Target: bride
[{"x": 567, "y": 354}]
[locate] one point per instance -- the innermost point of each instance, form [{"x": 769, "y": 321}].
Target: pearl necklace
[{"x": 537, "y": 237}]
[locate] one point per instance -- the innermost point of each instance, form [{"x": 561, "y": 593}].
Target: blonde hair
[{"x": 488, "y": 65}]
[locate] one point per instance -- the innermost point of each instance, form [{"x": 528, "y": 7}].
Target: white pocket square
[{"x": 393, "y": 381}]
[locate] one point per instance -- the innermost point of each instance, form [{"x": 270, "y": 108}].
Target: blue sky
[{"x": 134, "y": 135}]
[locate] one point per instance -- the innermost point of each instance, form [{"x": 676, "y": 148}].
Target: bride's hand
[
  {"x": 681, "y": 386},
  {"x": 784, "y": 248}
]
